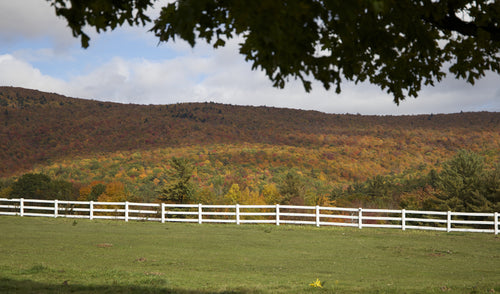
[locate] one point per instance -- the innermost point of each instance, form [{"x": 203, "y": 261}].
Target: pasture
[{"x": 47, "y": 255}]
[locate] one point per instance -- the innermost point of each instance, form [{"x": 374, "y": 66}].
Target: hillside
[{"x": 85, "y": 141}]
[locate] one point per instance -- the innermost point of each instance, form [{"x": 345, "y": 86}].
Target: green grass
[{"x": 42, "y": 255}]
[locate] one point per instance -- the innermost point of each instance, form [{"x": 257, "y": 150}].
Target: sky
[{"x": 128, "y": 65}]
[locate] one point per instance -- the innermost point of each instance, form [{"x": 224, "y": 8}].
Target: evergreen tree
[
  {"x": 461, "y": 184},
  {"x": 291, "y": 189},
  {"x": 492, "y": 188},
  {"x": 179, "y": 188}
]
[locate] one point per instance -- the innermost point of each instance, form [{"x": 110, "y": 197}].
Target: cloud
[
  {"x": 15, "y": 72},
  {"x": 222, "y": 76},
  {"x": 22, "y": 20},
  {"x": 33, "y": 19}
]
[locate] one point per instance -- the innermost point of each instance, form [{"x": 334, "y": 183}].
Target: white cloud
[
  {"x": 22, "y": 20},
  {"x": 15, "y": 72},
  {"x": 33, "y": 19},
  {"x": 223, "y": 76}
]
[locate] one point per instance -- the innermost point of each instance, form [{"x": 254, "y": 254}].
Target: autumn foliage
[{"x": 243, "y": 154}]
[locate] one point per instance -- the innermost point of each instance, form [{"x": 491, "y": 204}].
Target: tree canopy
[
  {"x": 398, "y": 45},
  {"x": 41, "y": 186}
]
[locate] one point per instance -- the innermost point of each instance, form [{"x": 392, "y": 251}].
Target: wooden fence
[{"x": 243, "y": 214}]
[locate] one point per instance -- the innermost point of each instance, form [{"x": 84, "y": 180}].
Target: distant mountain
[{"x": 38, "y": 127}]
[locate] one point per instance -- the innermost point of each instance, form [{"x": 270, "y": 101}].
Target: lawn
[{"x": 47, "y": 255}]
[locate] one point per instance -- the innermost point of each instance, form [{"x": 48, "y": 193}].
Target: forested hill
[{"x": 38, "y": 127}]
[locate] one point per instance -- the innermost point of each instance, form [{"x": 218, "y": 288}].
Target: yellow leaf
[{"x": 316, "y": 284}]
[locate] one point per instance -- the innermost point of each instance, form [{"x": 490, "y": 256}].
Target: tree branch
[{"x": 452, "y": 23}]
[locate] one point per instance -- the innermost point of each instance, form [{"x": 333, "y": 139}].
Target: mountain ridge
[{"x": 37, "y": 126}]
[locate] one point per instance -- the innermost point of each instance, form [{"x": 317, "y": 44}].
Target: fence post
[
  {"x": 317, "y": 215},
  {"x": 126, "y": 211},
  {"x": 200, "y": 217},
  {"x": 448, "y": 221},
  {"x": 360, "y": 218},
  {"x": 277, "y": 214},
  {"x": 496, "y": 223},
  {"x": 21, "y": 207},
  {"x": 91, "y": 210},
  {"x": 403, "y": 219},
  {"x": 237, "y": 208},
  {"x": 162, "y": 213},
  {"x": 56, "y": 208}
]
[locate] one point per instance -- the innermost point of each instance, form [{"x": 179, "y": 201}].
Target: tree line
[{"x": 463, "y": 183}]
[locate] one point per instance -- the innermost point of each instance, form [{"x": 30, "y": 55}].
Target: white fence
[{"x": 241, "y": 214}]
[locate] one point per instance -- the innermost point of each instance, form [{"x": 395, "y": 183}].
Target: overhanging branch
[{"x": 452, "y": 23}]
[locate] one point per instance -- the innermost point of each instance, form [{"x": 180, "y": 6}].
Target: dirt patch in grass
[{"x": 104, "y": 245}]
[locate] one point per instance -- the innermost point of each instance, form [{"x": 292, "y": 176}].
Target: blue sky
[{"x": 128, "y": 65}]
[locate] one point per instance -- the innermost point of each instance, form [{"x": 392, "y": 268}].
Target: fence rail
[{"x": 245, "y": 214}]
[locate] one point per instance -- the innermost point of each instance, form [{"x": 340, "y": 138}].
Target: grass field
[{"x": 42, "y": 255}]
